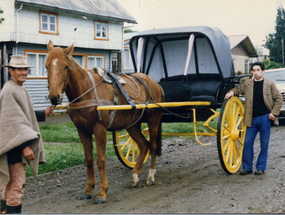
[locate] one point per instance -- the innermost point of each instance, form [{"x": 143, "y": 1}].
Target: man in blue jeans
[{"x": 263, "y": 102}]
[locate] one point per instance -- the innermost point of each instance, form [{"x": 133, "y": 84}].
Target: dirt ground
[{"x": 189, "y": 179}]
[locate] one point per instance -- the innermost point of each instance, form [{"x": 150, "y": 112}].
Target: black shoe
[
  {"x": 3, "y": 206},
  {"x": 259, "y": 172},
  {"x": 245, "y": 172},
  {"x": 14, "y": 209}
]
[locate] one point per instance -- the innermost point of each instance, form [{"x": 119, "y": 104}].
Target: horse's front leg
[
  {"x": 100, "y": 137},
  {"x": 86, "y": 139}
]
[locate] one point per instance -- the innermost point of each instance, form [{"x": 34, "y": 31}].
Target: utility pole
[{"x": 282, "y": 52}]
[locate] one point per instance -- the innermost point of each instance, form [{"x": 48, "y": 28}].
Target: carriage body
[{"x": 162, "y": 54}]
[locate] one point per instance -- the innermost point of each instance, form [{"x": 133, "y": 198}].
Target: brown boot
[
  {"x": 3, "y": 206},
  {"x": 14, "y": 209}
]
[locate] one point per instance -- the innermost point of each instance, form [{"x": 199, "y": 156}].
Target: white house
[{"x": 94, "y": 26}]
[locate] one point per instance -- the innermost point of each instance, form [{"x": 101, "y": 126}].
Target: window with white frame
[
  {"x": 246, "y": 69},
  {"x": 97, "y": 61},
  {"x": 128, "y": 64},
  {"x": 101, "y": 30},
  {"x": 48, "y": 22},
  {"x": 37, "y": 60}
]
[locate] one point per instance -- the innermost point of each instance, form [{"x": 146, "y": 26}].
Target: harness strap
[
  {"x": 95, "y": 92},
  {"x": 115, "y": 102},
  {"x": 122, "y": 90},
  {"x": 89, "y": 103},
  {"x": 143, "y": 85}
]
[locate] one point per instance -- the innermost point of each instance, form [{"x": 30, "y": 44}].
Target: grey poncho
[{"x": 18, "y": 124}]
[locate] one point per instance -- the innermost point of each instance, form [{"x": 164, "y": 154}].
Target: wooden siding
[
  {"x": 240, "y": 56},
  {"x": 8, "y": 27},
  {"x": 72, "y": 28},
  {"x": 37, "y": 88}
]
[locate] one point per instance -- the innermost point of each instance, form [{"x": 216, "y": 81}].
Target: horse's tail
[{"x": 158, "y": 141}]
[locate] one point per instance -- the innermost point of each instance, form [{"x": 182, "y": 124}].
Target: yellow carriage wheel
[
  {"x": 231, "y": 134},
  {"x": 127, "y": 149}
]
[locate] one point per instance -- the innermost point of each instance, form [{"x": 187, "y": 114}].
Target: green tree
[
  {"x": 271, "y": 64},
  {"x": 1, "y": 19},
  {"x": 127, "y": 30},
  {"x": 274, "y": 40}
]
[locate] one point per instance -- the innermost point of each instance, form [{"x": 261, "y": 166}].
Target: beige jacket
[
  {"x": 271, "y": 95},
  {"x": 18, "y": 124}
]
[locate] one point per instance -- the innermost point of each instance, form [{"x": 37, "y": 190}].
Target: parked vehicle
[{"x": 278, "y": 76}]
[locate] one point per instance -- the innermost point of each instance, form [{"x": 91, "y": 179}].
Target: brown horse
[{"x": 65, "y": 74}]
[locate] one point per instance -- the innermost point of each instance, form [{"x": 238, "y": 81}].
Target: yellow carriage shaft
[
  {"x": 153, "y": 105},
  {"x": 142, "y": 106}
]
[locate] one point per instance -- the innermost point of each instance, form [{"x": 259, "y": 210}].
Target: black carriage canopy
[{"x": 163, "y": 53}]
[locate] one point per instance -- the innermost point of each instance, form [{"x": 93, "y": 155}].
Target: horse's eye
[{"x": 66, "y": 67}]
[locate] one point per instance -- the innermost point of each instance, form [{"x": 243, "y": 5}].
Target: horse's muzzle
[{"x": 55, "y": 100}]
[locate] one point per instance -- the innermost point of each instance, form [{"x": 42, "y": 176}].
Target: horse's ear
[
  {"x": 69, "y": 49},
  {"x": 50, "y": 45}
]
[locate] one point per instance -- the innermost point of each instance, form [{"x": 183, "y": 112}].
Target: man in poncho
[{"x": 20, "y": 139}]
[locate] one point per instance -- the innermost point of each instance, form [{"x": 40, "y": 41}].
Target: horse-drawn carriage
[
  {"x": 182, "y": 75},
  {"x": 195, "y": 69}
]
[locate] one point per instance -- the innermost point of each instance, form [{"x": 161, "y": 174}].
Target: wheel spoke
[
  {"x": 227, "y": 128},
  {"x": 237, "y": 149},
  {"x": 228, "y": 152},
  {"x": 231, "y": 154},
  {"x": 234, "y": 153},
  {"x": 225, "y": 147},
  {"x": 126, "y": 144},
  {"x": 240, "y": 141},
  {"x": 237, "y": 113},
  {"x": 226, "y": 137},
  {"x": 134, "y": 152},
  {"x": 124, "y": 135},
  {"x": 129, "y": 149},
  {"x": 227, "y": 120},
  {"x": 239, "y": 121}
]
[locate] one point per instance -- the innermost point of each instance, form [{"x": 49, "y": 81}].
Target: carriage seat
[{"x": 194, "y": 88}]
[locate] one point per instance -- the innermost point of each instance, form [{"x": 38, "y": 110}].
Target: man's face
[
  {"x": 257, "y": 72},
  {"x": 19, "y": 75}
]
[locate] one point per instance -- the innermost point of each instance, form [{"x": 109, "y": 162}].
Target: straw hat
[{"x": 18, "y": 62}]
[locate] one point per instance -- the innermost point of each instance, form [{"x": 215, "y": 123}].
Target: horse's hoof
[
  {"x": 149, "y": 182},
  {"x": 133, "y": 184},
  {"x": 99, "y": 200},
  {"x": 134, "y": 180},
  {"x": 85, "y": 196}
]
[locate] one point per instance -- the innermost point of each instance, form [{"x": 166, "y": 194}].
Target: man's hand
[
  {"x": 271, "y": 116},
  {"x": 28, "y": 153},
  {"x": 229, "y": 95},
  {"x": 49, "y": 110}
]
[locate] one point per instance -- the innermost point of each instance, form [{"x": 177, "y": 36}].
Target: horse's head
[{"x": 58, "y": 67}]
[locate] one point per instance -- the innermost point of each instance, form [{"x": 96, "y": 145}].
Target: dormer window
[
  {"x": 48, "y": 22},
  {"x": 101, "y": 30}
]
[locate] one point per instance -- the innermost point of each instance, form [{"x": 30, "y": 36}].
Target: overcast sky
[{"x": 255, "y": 18}]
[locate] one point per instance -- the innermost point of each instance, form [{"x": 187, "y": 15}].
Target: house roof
[
  {"x": 244, "y": 41},
  {"x": 110, "y": 9}
]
